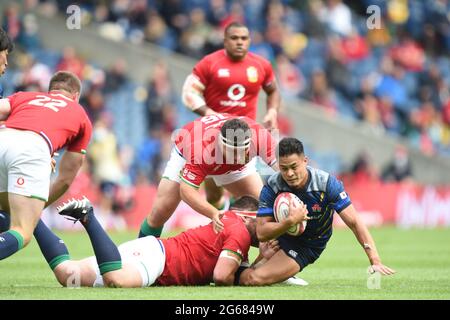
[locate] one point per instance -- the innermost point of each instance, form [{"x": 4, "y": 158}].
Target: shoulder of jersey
[
  {"x": 214, "y": 55},
  {"x": 319, "y": 179},
  {"x": 277, "y": 184}
]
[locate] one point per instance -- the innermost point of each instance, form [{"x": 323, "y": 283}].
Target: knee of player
[
  {"x": 62, "y": 279},
  {"x": 113, "y": 280},
  {"x": 255, "y": 278},
  {"x": 67, "y": 275}
]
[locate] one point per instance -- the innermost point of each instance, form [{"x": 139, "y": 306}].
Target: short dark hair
[
  {"x": 236, "y": 131},
  {"x": 5, "y": 41},
  {"x": 66, "y": 81},
  {"x": 247, "y": 203},
  {"x": 234, "y": 24},
  {"x": 289, "y": 146}
]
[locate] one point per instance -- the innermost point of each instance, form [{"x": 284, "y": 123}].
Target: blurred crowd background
[{"x": 395, "y": 78}]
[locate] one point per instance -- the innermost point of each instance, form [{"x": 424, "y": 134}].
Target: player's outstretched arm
[
  {"x": 267, "y": 229},
  {"x": 273, "y": 105},
  {"x": 68, "y": 168},
  {"x": 192, "y": 197},
  {"x": 354, "y": 222}
]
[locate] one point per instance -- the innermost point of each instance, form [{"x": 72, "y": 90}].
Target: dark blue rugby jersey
[
  {"x": 323, "y": 194},
  {"x": 1, "y": 91}
]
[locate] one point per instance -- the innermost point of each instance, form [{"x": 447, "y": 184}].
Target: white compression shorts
[
  {"x": 25, "y": 163},
  {"x": 146, "y": 254},
  {"x": 176, "y": 163}
]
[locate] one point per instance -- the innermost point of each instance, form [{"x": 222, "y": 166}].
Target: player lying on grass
[
  {"x": 322, "y": 194},
  {"x": 195, "y": 257}
]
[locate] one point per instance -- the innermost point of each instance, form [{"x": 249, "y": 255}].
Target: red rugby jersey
[
  {"x": 192, "y": 255},
  {"x": 196, "y": 142},
  {"x": 233, "y": 86},
  {"x": 61, "y": 121}
]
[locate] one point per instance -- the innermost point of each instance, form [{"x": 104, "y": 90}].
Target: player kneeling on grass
[
  {"x": 195, "y": 257},
  {"x": 321, "y": 194}
]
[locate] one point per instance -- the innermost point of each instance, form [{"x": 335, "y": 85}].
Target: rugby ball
[{"x": 281, "y": 211}]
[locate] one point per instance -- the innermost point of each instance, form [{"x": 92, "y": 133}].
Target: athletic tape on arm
[
  {"x": 192, "y": 92},
  {"x": 229, "y": 255}
]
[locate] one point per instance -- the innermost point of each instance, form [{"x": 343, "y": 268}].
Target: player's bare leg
[
  {"x": 167, "y": 200},
  {"x": 75, "y": 273},
  {"x": 250, "y": 185},
  {"x": 107, "y": 255},
  {"x": 127, "y": 277},
  {"x": 4, "y": 203},
  {"x": 214, "y": 194},
  {"x": 25, "y": 213},
  {"x": 82, "y": 273},
  {"x": 278, "y": 268}
]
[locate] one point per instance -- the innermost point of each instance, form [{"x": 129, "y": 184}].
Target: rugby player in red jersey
[
  {"x": 197, "y": 256},
  {"x": 229, "y": 81},
  {"x": 219, "y": 146},
  {"x": 37, "y": 124}
]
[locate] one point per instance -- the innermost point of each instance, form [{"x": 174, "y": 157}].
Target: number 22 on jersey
[{"x": 47, "y": 102}]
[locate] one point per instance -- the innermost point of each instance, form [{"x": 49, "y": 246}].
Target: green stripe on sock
[
  {"x": 18, "y": 237},
  {"x": 110, "y": 266},
  {"x": 150, "y": 231},
  {"x": 58, "y": 260}
]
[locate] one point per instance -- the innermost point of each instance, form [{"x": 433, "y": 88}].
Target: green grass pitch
[{"x": 420, "y": 257}]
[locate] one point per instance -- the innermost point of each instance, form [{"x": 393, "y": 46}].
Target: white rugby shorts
[
  {"x": 146, "y": 254},
  {"x": 176, "y": 163},
  {"x": 25, "y": 163}
]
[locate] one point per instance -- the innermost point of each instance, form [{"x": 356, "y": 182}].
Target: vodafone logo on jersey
[
  {"x": 235, "y": 93},
  {"x": 20, "y": 182}
]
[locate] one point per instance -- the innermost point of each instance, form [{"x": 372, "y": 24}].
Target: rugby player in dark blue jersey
[
  {"x": 6, "y": 46},
  {"x": 322, "y": 195}
]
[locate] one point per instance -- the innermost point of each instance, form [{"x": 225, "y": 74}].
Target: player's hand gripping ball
[{"x": 281, "y": 211}]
